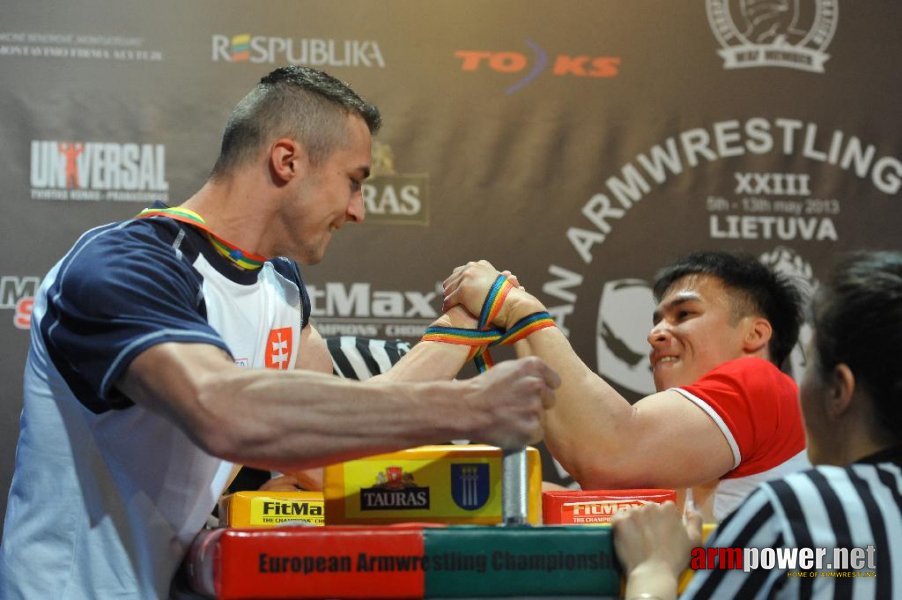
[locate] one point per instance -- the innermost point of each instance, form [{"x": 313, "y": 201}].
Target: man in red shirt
[{"x": 724, "y": 417}]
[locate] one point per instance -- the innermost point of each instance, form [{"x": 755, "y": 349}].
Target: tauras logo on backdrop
[
  {"x": 774, "y": 33},
  {"x": 358, "y": 309},
  {"x": 768, "y": 205},
  {"x": 17, "y": 293},
  {"x": 70, "y": 170},
  {"x": 528, "y": 66},
  {"x": 392, "y": 198},
  {"x": 314, "y": 52}
]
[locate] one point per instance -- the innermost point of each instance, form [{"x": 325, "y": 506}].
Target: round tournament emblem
[{"x": 774, "y": 33}]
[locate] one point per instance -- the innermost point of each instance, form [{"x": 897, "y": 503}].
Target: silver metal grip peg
[{"x": 514, "y": 487}]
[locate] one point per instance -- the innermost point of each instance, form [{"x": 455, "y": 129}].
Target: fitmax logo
[
  {"x": 337, "y": 299},
  {"x": 537, "y": 62}
]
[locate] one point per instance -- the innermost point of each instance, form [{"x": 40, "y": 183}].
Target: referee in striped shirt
[{"x": 850, "y": 504}]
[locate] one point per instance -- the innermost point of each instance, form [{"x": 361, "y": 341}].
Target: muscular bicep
[
  {"x": 170, "y": 378},
  {"x": 678, "y": 443},
  {"x": 314, "y": 353}
]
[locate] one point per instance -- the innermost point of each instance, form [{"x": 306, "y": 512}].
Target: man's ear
[
  {"x": 841, "y": 391},
  {"x": 287, "y": 159},
  {"x": 757, "y": 335}
]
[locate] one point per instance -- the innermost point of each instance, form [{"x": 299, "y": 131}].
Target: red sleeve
[{"x": 756, "y": 407}]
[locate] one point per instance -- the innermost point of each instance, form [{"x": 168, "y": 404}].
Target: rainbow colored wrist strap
[{"x": 486, "y": 335}]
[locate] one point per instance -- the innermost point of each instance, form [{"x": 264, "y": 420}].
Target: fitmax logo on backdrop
[
  {"x": 93, "y": 171},
  {"x": 358, "y": 309},
  {"x": 315, "y": 52},
  {"x": 530, "y": 65},
  {"x": 774, "y": 33}
]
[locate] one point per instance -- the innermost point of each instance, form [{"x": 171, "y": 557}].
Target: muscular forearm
[
  {"x": 427, "y": 361},
  {"x": 662, "y": 440},
  {"x": 285, "y": 420},
  {"x": 588, "y": 430},
  {"x": 294, "y": 420}
]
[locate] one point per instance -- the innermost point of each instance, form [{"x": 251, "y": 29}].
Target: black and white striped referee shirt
[
  {"x": 859, "y": 506},
  {"x": 361, "y": 358}
]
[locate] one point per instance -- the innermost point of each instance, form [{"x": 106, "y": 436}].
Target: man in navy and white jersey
[
  {"x": 849, "y": 504},
  {"x": 169, "y": 347}
]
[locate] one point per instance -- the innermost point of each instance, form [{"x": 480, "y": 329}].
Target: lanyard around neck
[{"x": 242, "y": 258}]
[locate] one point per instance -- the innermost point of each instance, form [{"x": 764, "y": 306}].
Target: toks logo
[
  {"x": 98, "y": 171},
  {"x": 296, "y": 51},
  {"x": 562, "y": 65},
  {"x": 774, "y": 33},
  {"x": 278, "y": 348}
]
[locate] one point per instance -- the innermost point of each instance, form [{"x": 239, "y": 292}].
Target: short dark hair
[
  {"x": 304, "y": 103},
  {"x": 857, "y": 316},
  {"x": 756, "y": 290}
]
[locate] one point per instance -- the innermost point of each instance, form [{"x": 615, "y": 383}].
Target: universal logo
[
  {"x": 774, "y": 33},
  {"x": 394, "y": 490},
  {"x": 391, "y": 198},
  {"x": 92, "y": 171}
]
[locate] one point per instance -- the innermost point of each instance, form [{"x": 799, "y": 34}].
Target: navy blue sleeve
[
  {"x": 289, "y": 268},
  {"x": 118, "y": 292}
]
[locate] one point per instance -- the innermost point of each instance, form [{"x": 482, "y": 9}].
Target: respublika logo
[
  {"x": 315, "y": 52},
  {"x": 527, "y": 66},
  {"x": 774, "y": 33},
  {"x": 391, "y": 198},
  {"x": 91, "y": 171}
]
